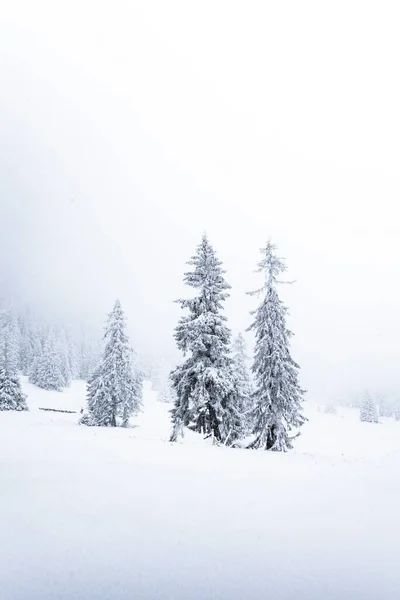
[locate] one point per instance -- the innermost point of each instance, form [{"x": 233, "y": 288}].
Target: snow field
[{"x": 100, "y": 513}]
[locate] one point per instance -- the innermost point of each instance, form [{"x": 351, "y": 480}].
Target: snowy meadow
[
  {"x": 193, "y": 485},
  {"x": 123, "y": 513}
]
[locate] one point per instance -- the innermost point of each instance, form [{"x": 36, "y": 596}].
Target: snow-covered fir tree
[
  {"x": 396, "y": 412},
  {"x": 368, "y": 410},
  {"x": 115, "y": 388},
  {"x": 46, "y": 371},
  {"x": 26, "y": 354},
  {"x": 11, "y": 396},
  {"x": 277, "y": 395},
  {"x": 204, "y": 382},
  {"x": 38, "y": 339},
  {"x": 10, "y": 341}
]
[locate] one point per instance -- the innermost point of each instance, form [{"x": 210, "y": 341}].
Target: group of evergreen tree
[
  {"x": 115, "y": 388},
  {"x": 214, "y": 393},
  {"x": 212, "y": 390},
  {"x": 43, "y": 352},
  {"x": 51, "y": 359},
  {"x": 387, "y": 405},
  {"x": 55, "y": 358}
]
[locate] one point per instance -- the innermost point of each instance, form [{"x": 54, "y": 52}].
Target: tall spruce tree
[
  {"x": 115, "y": 388},
  {"x": 204, "y": 382},
  {"x": 278, "y": 395}
]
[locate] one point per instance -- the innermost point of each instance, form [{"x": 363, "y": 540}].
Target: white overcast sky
[{"x": 129, "y": 128}]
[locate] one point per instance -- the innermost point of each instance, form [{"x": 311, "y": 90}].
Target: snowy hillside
[{"x": 123, "y": 514}]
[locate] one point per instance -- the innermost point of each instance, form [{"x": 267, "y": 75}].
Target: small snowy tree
[
  {"x": 203, "y": 383},
  {"x": 278, "y": 395},
  {"x": 368, "y": 410},
  {"x": 396, "y": 412},
  {"x": 11, "y": 396},
  {"x": 114, "y": 389}
]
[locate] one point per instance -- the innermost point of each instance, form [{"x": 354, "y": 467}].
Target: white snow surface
[{"x": 99, "y": 513}]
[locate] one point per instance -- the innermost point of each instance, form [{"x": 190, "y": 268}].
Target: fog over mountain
[{"x": 127, "y": 132}]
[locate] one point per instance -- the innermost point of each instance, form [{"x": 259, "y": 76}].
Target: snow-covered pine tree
[
  {"x": 368, "y": 410},
  {"x": 204, "y": 382},
  {"x": 277, "y": 395},
  {"x": 25, "y": 350},
  {"x": 11, "y": 396},
  {"x": 46, "y": 372},
  {"x": 115, "y": 389},
  {"x": 396, "y": 412},
  {"x": 38, "y": 338},
  {"x": 32, "y": 339},
  {"x": 10, "y": 341}
]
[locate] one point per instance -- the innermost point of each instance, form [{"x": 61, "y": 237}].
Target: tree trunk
[{"x": 214, "y": 425}]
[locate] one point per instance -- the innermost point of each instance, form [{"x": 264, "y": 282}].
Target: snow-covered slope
[{"x": 123, "y": 514}]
